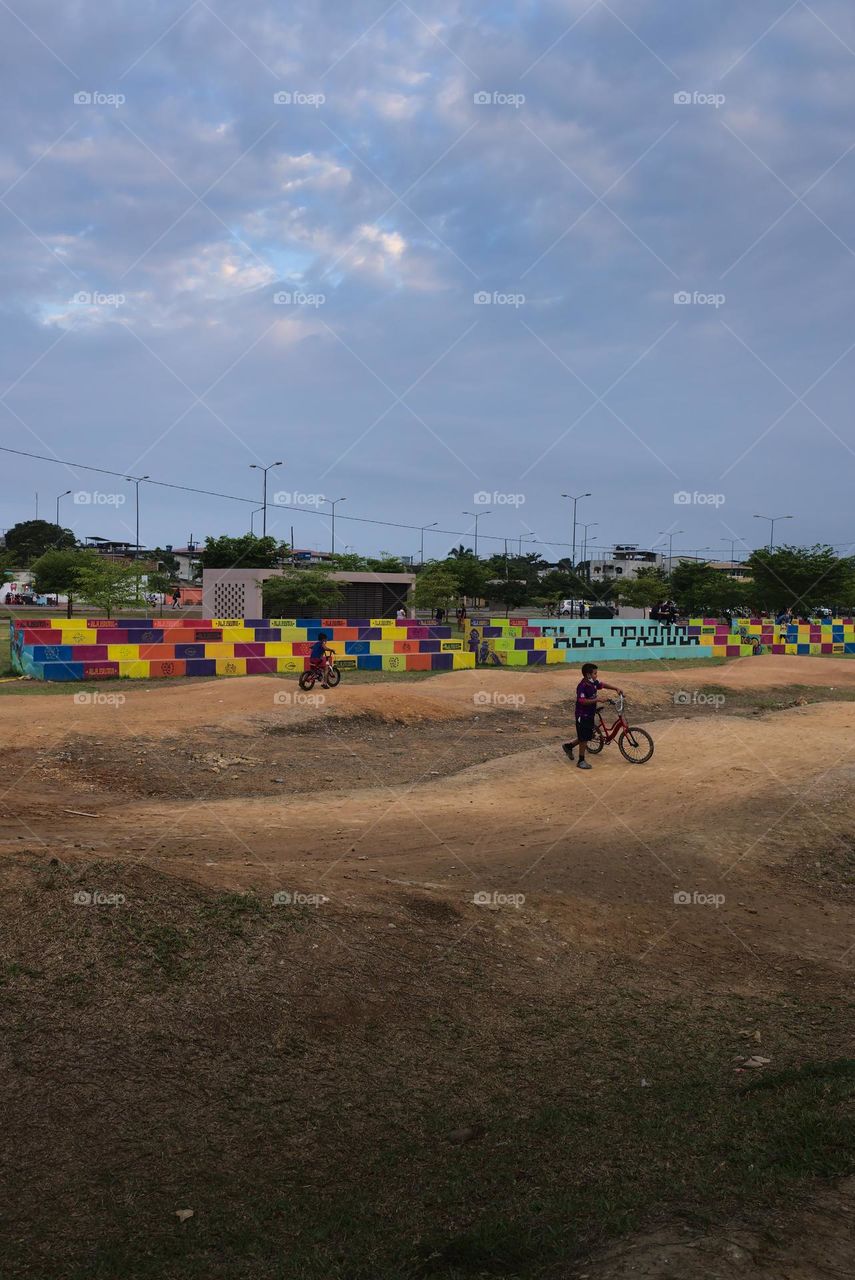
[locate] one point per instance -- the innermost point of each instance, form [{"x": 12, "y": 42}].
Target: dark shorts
[{"x": 585, "y": 728}]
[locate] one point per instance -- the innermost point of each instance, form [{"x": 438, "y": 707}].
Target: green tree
[
  {"x": 512, "y": 593},
  {"x": 56, "y": 572},
  {"x": 166, "y": 562},
  {"x": 699, "y": 590},
  {"x": 645, "y": 590},
  {"x": 108, "y": 584},
  {"x": 8, "y": 566},
  {"x": 303, "y": 593},
  {"x": 244, "y": 552},
  {"x": 436, "y": 586},
  {"x": 470, "y": 572},
  {"x": 385, "y": 563},
  {"x": 803, "y": 577},
  {"x": 31, "y": 538},
  {"x": 162, "y": 583},
  {"x": 348, "y": 562}
]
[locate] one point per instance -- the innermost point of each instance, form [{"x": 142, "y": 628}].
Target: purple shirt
[{"x": 586, "y": 689}]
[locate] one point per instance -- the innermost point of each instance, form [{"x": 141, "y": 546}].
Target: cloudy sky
[{"x": 436, "y": 258}]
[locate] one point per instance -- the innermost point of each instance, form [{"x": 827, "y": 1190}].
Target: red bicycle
[{"x": 636, "y": 745}]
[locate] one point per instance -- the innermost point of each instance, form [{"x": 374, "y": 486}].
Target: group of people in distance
[{"x": 665, "y": 612}]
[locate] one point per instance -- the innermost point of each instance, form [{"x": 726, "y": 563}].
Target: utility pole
[
  {"x": 137, "y": 481},
  {"x": 574, "y": 498},
  {"x": 772, "y": 522},
  {"x": 61, "y": 495},
  {"x": 670, "y": 537},
  {"x": 422, "y": 550},
  {"x": 333, "y": 505},
  {"x": 253, "y": 466},
  {"x": 585, "y": 527},
  {"x": 477, "y": 516}
]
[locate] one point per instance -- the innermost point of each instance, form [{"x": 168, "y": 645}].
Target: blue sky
[{"x": 622, "y": 155}]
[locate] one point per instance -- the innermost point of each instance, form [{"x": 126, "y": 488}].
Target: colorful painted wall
[
  {"x": 572, "y": 640},
  {"x": 98, "y": 648},
  {"x": 836, "y": 636}
]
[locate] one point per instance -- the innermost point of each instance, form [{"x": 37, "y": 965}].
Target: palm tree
[{"x": 460, "y": 553}]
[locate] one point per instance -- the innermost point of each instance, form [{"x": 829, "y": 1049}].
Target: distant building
[
  {"x": 302, "y": 555},
  {"x": 113, "y": 549},
  {"x": 733, "y": 568},
  {"x": 189, "y": 558},
  {"x": 624, "y": 563},
  {"x": 236, "y": 593}
]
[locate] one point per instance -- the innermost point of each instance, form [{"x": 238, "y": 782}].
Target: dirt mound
[{"x": 813, "y": 1243}]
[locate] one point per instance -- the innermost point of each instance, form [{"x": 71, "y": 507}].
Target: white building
[{"x": 623, "y": 564}]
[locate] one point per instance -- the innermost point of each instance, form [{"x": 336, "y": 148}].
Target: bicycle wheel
[
  {"x": 636, "y": 745},
  {"x": 307, "y": 680},
  {"x": 333, "y": 677},
  {"x": 596, "y": 744}
]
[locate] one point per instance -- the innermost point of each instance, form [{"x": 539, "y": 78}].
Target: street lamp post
[
  {"x": 252, "y": 516},
  {"x": 733, "y": 542},
  {"x": 529, "y": 537},
  {"x": 574, "y": 498},
  {"x": 61, "y": 495},
  {"x": 422, "y": 550},
  {"x": 772, "y": 522},
  {"x": 253, "y": 466},
  {"x": 670, "y": 536},
  {"x": 137, "y": 481},
  {"x": 585, "y": 527},
  {"x": 333, "y": 504},
  {"x": 477, "y": 516}
]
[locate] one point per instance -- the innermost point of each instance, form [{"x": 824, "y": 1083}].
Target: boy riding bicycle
[
  {"x": 587, "y": 703},
  {"x": 319, "y": 658}
]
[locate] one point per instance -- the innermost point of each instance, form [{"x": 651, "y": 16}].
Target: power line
[
  {"x": 304, "y": 510},
  {"x": 279, "y": 506}
]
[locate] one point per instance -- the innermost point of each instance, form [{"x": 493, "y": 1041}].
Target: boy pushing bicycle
[{"x": 587, "y": 702}]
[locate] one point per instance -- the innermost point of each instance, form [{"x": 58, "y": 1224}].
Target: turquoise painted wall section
[{"x": 614, "y": 639}]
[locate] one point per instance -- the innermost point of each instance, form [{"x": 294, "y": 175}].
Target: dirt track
[{"x": 439, "y": 784}]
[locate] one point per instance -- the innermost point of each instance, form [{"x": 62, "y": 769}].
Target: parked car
[
  {"x": 601, "y": 611},
  {"x": 570, "y": 608}
]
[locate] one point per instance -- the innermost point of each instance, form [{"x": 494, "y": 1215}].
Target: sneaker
[
  {"x": 583, "y": 764},
  {"x": 568, "y": 750}
]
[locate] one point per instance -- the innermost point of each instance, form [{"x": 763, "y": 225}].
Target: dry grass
[{"x": 298, "y": 1076}]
